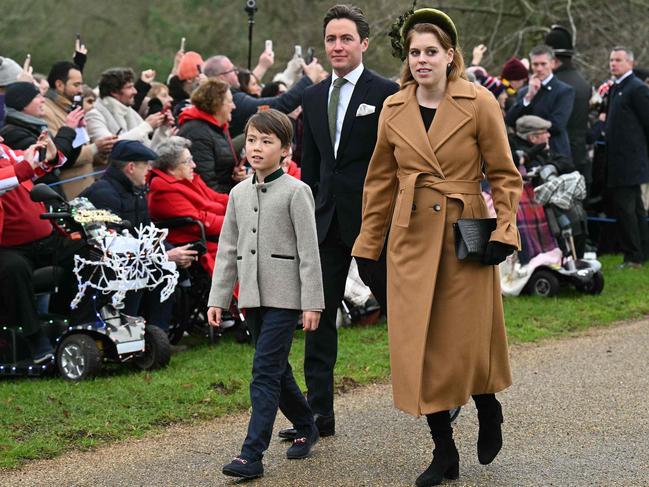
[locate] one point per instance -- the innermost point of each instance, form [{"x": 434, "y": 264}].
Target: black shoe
[
  {"x": 40, "y": 348},
  {"x": 445, "y": 465},
  {"x": 326, "y": 427},
  {"x": 490, "y": 436},
  {"x": 244, "y": 469},
  {"x": 287, "y": 434},
  {"x": 302, "y": 446},
  {"x": 326, "y": 424}
]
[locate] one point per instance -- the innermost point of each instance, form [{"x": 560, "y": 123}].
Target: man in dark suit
[
  {"x": 627, "y": 155},
  {"x": 546, "y": 97},
  {"x": 340, "y": 124},
  {"x": 560, "y": 39}
]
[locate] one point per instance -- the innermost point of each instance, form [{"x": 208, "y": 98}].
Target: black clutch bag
[{"x": 472, "y": 236}]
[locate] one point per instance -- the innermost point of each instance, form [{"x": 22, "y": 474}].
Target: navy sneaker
[
  {"x": 242, "y": 468},
  {"x": 303, "y": 445}
]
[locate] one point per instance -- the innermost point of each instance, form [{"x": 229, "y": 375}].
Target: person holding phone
[
  {"x": 25, "y": 121},
  {"x": 113, "y": 113},
  {"x": 62, "y": 101},
  {"x": 221, "y": 67},
  {"x": 27, "y": 242}
]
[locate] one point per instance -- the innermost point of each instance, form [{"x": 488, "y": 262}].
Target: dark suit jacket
[
  {"x": 553, "y": 102},
  {"x": 337, "y": 183},
  {"x": 627, "y": 134},
  {"x": 578, "y": 122}
]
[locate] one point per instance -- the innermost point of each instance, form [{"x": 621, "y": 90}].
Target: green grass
[{"x": 43, "y": 418}]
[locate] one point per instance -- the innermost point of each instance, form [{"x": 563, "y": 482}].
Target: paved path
[{"x": 577, "y": 415}]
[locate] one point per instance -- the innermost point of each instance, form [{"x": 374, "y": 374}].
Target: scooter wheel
[
  {"x": 543, "y": 283},
  {"x": 594, "y": 286},
  {"x": 157, "y": 349},
  {"x": 78, "y": 358}
]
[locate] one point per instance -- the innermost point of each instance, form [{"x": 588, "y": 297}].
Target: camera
[{"x": 251, "y": 7}]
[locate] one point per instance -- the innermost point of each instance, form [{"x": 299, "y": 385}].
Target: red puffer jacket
[{"x": 170, "y": 197}]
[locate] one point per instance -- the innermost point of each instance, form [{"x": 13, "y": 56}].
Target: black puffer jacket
[
  {"x": 211, "y": 148},
  {"x": 115, "y": 192}
]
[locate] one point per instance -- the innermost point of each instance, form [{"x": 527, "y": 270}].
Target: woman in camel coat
[{"x": 446, "y": 325}]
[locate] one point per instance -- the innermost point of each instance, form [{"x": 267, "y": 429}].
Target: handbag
[{"x": 472, "y": 236}]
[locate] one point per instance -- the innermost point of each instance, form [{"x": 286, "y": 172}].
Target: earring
[{"x": 448, "y": 65}]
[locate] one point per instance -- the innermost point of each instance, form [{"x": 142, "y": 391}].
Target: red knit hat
[
  {"x": 189, "y": 65},
  {"x": 514, "y": 70}
]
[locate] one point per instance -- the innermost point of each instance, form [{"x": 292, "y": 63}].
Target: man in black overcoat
[{"x": 627, "y": 155}]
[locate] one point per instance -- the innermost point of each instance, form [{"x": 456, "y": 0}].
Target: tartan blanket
[{"x": 533, "y": 227}]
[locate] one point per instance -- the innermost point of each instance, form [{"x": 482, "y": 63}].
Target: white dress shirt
[
  {"x": 623, "y": 77},
  {"x": 346, "y": 92}
]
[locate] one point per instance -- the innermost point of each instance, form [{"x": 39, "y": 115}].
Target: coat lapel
[
  {"x": 408, "y": 124},
  {"x": 358, "y": 95},
  {"x": 450, "y": 116}
]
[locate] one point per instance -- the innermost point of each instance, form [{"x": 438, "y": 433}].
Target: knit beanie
[
  {"x": 514, "y": 70},
  {"x": 9, "y": 71},
  {"x": 188, "y": 67},
  {"x": 20, "y": 94}
]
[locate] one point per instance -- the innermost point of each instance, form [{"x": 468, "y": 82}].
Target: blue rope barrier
[
  {"x": 604, "y": 219},
  {"x": 77, "y": 178}
]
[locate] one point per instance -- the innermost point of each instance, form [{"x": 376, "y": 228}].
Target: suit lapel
[
  {"x": 320, "y": 120},
  {"x": 358, "y": 95}
]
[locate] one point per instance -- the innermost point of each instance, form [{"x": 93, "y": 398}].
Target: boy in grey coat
[{"x": 269, "y": 243}]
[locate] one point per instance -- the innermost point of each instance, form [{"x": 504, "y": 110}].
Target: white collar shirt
[
  {"x": 623, "y": 77},
  {"x": 346, "y": 92}
]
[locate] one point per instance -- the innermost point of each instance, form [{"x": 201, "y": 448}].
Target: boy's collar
[{"x": 269, "y": 178}]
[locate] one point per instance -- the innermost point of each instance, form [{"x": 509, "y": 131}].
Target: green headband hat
[{"x": 412, "y": 17}]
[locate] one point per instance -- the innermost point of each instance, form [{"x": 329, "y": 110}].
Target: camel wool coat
[{"x": 445, "y": 317}]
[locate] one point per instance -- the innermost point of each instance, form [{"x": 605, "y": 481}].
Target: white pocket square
[{"x": 364, "y": 109}]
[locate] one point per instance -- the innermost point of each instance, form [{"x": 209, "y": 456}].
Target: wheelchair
[{"x": 189, "y": 313}]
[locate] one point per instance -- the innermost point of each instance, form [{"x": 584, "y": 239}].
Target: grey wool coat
[{"x": 269, "y": 243}]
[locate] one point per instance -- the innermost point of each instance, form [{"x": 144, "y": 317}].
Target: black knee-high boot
[
  {"x": 446, "y": 460},
  {"x": 490, "y": 436}
]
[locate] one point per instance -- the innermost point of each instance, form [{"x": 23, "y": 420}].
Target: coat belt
[{"x": 408, "y": 183}]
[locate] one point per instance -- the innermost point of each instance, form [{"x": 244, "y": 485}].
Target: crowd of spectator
[{"x": 155, "y": 149}]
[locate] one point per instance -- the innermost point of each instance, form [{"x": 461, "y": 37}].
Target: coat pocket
[{"x": 279, "y": 256}]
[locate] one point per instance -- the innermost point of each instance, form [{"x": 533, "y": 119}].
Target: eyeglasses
[
  {"x": 189, "y": 160},
  {"x": 233, "y": 70}
]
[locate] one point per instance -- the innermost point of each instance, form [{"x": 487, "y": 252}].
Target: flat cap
[
  {"x": 132, "y": 151},
  {"x": 531, "y": 125}
]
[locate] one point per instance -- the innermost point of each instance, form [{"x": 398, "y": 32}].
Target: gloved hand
[
  {"x": 496, "y": 252},
  {"x": 365, "y": 266}
]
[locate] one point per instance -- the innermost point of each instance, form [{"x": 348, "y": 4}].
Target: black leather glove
[
  {"x": 496, "y": 252},
  {"x": 365, "y": 266}
]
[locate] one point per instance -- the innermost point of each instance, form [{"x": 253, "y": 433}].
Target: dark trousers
[
  {"x": 273, "y": 385},
  {"x": 17, "y": 265},
  {"x": 145, "y": 302},
  {"x": 633, "y": 231},
  {"x": 17, "y": 303},
  {"x": 321, "y": 346}
]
